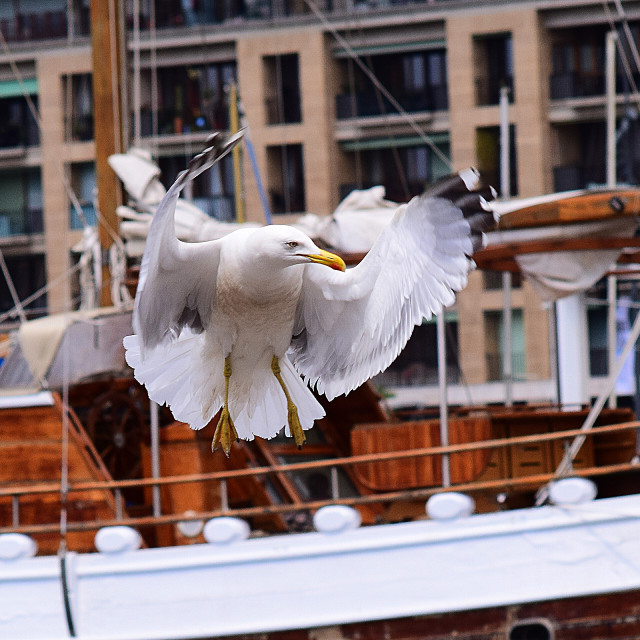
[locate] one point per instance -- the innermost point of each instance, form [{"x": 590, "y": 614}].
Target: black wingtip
[
  {"x": 466, "y": 191},
  {"x": 456, "y": 185},
  {"x": 219, "y": 144}
]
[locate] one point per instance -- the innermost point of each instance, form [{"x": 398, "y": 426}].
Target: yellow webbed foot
[
  {"x": 292, "y": 411},
  {"x": 294, "y": 424},
  {"x": 225, "y": 433}
]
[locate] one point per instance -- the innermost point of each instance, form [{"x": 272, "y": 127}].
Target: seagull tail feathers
[
  {"x": 180, "y": 374},
  {"x": 174, "y": 374},
  {"x": 258, "y": 405}
]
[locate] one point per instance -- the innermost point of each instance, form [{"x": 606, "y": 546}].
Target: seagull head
[{"x": 291, "y": 246}]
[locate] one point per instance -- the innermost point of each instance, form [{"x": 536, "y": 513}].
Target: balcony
[{"x": 171, "y": 15}]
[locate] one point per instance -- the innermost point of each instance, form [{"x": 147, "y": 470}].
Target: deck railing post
[
  {"x": 15, "y": 510},
  {"x": 335, "y": 491},
  {"x": 224, "y": 495},
  {"x": 119, "y": 510}
]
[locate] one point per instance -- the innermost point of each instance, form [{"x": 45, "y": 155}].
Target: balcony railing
[
  {"x": 509, "y": 478},
  {"x": 42, "y": 25},
  {"x": 573, "y": 85},
  {"x": 362, "y": 105},
  {"x": 576, "y": 85},
  {"x": 170, "y": 122},
  {"x": 233, "y": 10}
]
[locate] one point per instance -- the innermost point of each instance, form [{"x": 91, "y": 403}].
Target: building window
[
  {"x": 578, "y": 64},
  {"x": 488, "y": 152},
  {"x": 83, "y": 184},
  {"x": 286, "y": 178},
  {"x": 493, "y": 67},
  {"x": 17, "y": 126},
  {"x": 494, "y": 345},
  {"x": 28, "y": 276},
  {"x": 191, "y": 98},
  {"x": 20, "y": 202},
  {"x": 282, "y": 89},
  {"x": 417, "y": 363},
  {"x": 212, "y": 191},
  {"x": 493, "y": 280},
  {"x": 77, "y": 91}
]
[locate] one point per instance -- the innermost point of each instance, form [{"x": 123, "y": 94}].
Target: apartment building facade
[{"x": 320, "y": 84}]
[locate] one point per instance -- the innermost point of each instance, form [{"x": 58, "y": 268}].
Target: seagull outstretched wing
[
  {"x": 351, "y": 326},
  {"x": 177, "y": 279}
]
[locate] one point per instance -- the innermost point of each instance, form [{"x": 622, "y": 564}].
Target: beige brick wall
[{"x": 56, "y": 156}]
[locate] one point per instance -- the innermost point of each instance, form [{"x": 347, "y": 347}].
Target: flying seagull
[{"x": 245, "y": 323}]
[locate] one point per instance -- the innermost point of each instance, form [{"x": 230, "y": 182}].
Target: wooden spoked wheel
[{"x": 116, "y": 425}]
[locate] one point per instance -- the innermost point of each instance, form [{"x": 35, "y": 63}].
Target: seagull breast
[{"x": 255, "y": 299}]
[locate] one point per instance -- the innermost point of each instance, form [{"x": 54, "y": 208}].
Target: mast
[{"x": 107, "y": 40}]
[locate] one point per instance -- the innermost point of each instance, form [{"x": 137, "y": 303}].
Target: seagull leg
[
  {"x": 225, "y": 431},
  {"x": 292, "y": 411}
]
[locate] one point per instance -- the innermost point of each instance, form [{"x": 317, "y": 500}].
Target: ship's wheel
[{"x": 116, "y": 425}]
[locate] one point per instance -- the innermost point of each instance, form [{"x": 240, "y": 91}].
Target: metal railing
[{"x": 16, "y": 493}]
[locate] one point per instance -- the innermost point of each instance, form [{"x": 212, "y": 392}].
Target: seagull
[{"x": 245, "y": 324}]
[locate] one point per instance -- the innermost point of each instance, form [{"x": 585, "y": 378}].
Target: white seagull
[{"x": 246, "y": 322}]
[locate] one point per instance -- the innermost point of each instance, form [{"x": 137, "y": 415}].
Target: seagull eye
[{"x": 292, "y": 244}]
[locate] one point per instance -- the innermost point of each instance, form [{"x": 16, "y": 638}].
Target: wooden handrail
[{"x": 317, "y": 464}]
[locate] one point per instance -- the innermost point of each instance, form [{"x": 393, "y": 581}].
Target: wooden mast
[{"x": 107, "y": 46}]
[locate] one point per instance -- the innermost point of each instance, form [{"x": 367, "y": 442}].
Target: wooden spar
[
  {"x": 595, "y": 205},
  {"x": 502, "y": 256},
  {"x": 107, "y": 51}
]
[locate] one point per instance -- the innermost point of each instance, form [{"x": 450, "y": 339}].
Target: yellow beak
[{"x": 328, "y": 259}]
